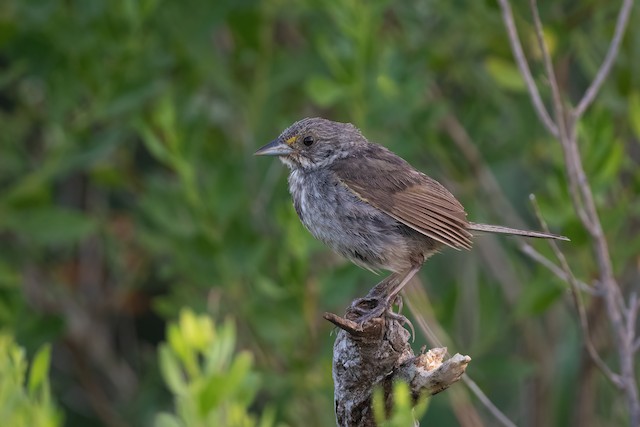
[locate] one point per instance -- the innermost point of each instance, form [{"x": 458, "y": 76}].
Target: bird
[{"x": 370, "y": 205}]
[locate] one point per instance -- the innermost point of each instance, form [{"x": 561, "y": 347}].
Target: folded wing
[{"x": 390, "y": 184}]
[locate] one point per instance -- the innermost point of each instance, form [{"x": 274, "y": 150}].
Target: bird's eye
[{"x": 308, "y": 141}]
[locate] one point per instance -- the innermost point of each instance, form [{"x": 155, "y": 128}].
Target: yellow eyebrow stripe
[{"x": 290, "y": 140}]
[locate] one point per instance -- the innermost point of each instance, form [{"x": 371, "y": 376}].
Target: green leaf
[
  {"x": 537, "y": 298},
  {"x": 164, "y": 419},
  {"x": 550, "y": 40},
  {"x": 270, "y": 289},
  {"x": 323, "y": 91},
  {"x": 177, "y": 342},
  {"x": 221, "y": 352},
  {"x": 129, "y": 101},
  {"x": 505, "y": 74},
  {"x": 40, "y": 369},
  {"x": 268, "y": 418},
  {"x": 634, "y": 113},
  {"x": 31, "y": 405},
  {"x": 404, "y": 412},
  {"x": 189, "y": 329},
  {"x": 170, "y": 369},
  {"x": 152, "y": 142},
  {"x": 613, "y": 162},
  {"x": 239, "y": 374},
  {"x": 50, "y": 225},
  {"x": 213, "y": 393},
  {"x": 387, "y": 85}
]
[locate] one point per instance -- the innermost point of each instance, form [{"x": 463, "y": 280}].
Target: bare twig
[
  {"x": 612, "y": 53},
  {"x": 523, "y": 66},
  {"x": 501, "y": 417},
  {"x": 548, "y": 65},
  {"x": 584, "y": 205},
  {"x": 492, "y": 252},
  {"x": 528, "y": 250},
  {"x": 632, "y": 317},
  {"x": 559, "y": 112},
  {"x": 582, "y": 314}
]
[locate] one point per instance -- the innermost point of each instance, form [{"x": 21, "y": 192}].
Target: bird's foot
[{"x": 366, "y": 309}]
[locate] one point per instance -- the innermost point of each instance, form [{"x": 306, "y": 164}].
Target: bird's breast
[{"x": 333, "y": 214}]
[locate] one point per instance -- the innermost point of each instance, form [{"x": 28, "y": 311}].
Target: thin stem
[
  {"x": 523, "y": 66},
  {"x": 560, "y": 114},
  {"x": 548, "y": 65},
  {"x": 584, "y": 204},
  {"x": 592, "y": 91},
  {"x": 487, "y": 402},
  {"x": 528, "y": 250},
  {"x": 582, "y": 314},
  {"x": 632, "y": 317}
]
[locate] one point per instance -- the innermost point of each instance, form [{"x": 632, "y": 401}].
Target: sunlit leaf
[
  {"x": 505, "y": 73},
  {"x": 39, "y": 369},
  {"x": 170, "y": 369},
  {"x": 167, "y": 420}
]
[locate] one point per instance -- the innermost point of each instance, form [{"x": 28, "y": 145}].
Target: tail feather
[{"x": 514, "y": 231}]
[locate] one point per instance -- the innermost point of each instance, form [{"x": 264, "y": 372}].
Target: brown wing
[{"x": 387, "y": 182}]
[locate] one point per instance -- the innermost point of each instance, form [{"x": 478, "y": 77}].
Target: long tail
[{"x": 514, "y": 231}]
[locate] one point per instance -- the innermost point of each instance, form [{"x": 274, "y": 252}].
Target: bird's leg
[
  {"x": 399, "y": 303},
  {"x": 395, "y": 291},
  {"x": 400, "y": 317},
  {"x": 394, "y": 296},
  {"x": 375, "y": 299}
]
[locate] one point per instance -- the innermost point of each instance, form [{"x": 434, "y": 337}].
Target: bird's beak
[{"x": 274, "y": 148}]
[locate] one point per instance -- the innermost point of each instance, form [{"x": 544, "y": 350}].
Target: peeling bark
[{"x": 375, "y": 354}]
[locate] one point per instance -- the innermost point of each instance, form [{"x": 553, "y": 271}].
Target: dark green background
[{"x": 129, "y": 190}]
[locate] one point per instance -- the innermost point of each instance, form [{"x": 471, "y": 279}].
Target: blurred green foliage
[
  {"x": 25, "y": 400},
  {"x": 211, "y": 385},
  {"x": 404, "y": 412},
  {"x": 129, "y": 191}
]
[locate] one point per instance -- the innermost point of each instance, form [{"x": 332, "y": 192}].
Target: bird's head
[{"x": 313, "y": 143}]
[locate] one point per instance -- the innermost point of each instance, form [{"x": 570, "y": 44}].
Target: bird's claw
[{"x": 366, "y": 309}]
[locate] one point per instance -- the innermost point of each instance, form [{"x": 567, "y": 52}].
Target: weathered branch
[
  {"x": 429, "y": 373},
  {"x": 376, "y": 354}
]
